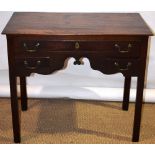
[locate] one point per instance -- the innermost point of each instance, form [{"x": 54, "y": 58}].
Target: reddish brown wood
[
  {"x": 77, "y": 24},
  {"x": 14, "y": 98},
  {"x": 139, "y": 96},
  {"x": 113, "y": 43}
]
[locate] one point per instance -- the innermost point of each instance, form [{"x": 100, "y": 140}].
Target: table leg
[
  {"x": 23, "y": 93},
  {"x": 126, "y": 95},
  {"x": 138, "y": 109},
  {"x": 15, "y": 109}
]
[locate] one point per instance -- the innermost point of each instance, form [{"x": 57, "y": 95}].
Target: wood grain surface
[{"x": 77, "y": 24}]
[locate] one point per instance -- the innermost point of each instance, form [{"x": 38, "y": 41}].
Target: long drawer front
[{"x": 113, "y": 49}]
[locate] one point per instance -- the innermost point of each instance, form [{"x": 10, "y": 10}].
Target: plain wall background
[{"x": 79, "y": 81}]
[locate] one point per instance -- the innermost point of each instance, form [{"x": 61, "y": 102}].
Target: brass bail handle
[
  {"x": 126, "y": 68},
  {"x": 77, "y": 46},
  {"x": 123, "y": 51},
  {"x": 32, "y": 67},
  {"x": 34, "y": 49}
]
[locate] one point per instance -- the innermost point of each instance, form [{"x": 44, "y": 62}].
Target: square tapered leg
[
  {"x": 138, "y": 109},
  {"x": 126, "y": 96},
  {"x": 15, "y": 107},
  {"x": 23, "y": 92}
]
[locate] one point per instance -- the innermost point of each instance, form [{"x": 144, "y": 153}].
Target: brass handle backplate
[
  {"x": 126, "y": 68},
  {"x": 34, "y": 49},
  {"x": 123, "y": 51},
  {"x": 32, "y": 67}
]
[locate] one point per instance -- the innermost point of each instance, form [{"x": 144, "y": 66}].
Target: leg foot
[{"x": 17, "y": 140}]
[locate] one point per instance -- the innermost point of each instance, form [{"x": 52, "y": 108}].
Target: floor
[{"x": 64, "y": 121}]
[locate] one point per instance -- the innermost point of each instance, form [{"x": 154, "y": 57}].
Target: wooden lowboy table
[{"x": 41, "y": 42}]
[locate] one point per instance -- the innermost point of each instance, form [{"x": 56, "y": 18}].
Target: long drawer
[{"x": 119, "y": 49}]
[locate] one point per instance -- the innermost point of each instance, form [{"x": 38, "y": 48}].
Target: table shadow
[{"x": 62, "y": 118}]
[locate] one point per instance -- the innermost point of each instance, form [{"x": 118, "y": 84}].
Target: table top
[{"x": 35, "y": 23}]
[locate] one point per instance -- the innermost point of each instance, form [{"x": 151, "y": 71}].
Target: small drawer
[
  {"x": 113, "y": 49},
  {"x": 125, "y": 66},
  {"x": 32, "y": 64}
]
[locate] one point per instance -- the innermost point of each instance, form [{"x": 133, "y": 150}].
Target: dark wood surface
[
  {"x": 126, "y": 95},
  {"x": 42, "y": 42},
  {"x": 77, "y": 24}
]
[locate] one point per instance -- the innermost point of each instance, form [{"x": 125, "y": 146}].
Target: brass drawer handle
[
  {"x": 123, "y": 69},
  {"x": 77, "y": 45},
  {"x": 119, "y": 49},
  {"x": 31, "y": 50},
  {"x": 26, "y": 64}
]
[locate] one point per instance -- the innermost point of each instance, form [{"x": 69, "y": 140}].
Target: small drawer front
[
  {"x": 121, "y": 49},
  {"x": 32, "y": 64},
  {"x": 125, "y": 66}
]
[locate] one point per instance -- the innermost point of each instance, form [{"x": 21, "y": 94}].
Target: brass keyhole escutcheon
[{"x": 77, "y": 46}]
